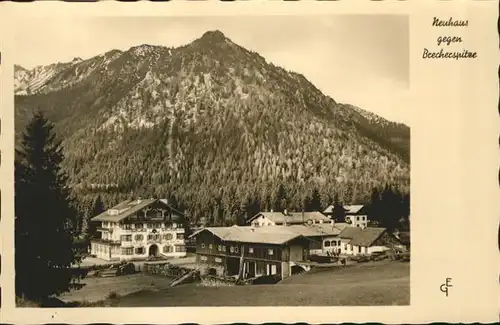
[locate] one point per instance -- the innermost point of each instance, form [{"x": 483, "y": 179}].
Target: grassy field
[
  {"x": 98, "y": 289},
  {"x": 368, "y": 284},
  {"x": 375, "y": 283}
]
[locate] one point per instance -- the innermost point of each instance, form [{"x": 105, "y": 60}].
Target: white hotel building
[{"x": 137, "y": 229}]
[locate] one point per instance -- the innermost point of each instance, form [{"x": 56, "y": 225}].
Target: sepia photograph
[{"x": 212, "y": 161}]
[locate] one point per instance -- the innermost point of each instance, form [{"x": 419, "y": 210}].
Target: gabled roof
[
  {"x": 329, "y": 209},
  {"x": 353, "y": 209},
  {"x": 298, "y": 217},
  {"x": 349, "y": 209},
  {"x": 349, "y": 232},
  {"x": 367, "y": 236},
  {"x": 252, "y": 235},
  {"x": 274, "y": 216},
  {"x": 273, "y": 234},
  {"x": 318, "y": 229},
  {"x": 127, "y": 208},
  {"x": 291, "y": 217}
]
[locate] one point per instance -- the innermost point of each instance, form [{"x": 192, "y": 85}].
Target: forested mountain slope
[{"x": 214, "y": 127}]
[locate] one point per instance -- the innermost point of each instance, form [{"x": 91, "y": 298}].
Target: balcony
[
  {"x": 105, "y": 241},
  {"x": 127, "y": 244}
]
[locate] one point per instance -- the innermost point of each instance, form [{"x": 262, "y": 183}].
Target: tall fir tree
[
  {"x": 97, "y": 208},
  {"x": 315, "y": 201},
  {"x": 374, "y": 210},
  {"x": 338, "y": 210},
  {"x": 44, "y": 215}
]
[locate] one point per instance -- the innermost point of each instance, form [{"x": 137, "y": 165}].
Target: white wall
[
  {"x": 377, "y": 249},
  {"x": 335, "y": 243},
  {"x": 362, "y": 222},
  {"x": 262, "y": 221},
  {"x": 117, "y": 230}
]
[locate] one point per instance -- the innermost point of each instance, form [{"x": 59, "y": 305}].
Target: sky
[{"x": 361, "y": 60}]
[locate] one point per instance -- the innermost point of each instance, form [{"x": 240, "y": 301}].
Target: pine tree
[
  {"x": 338, "y": 210},
  {"x": 314, "y": 203},
  {"x": 375, "y": 206},
  {"x": 44, "y": 215},
  {"x": 98, "y": 208}
]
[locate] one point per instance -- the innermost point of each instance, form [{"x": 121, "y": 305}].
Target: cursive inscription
[
  {"x": 449, "y": 23},
  {"x": 447, "y": 43}
]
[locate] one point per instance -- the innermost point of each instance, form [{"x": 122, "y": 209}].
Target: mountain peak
[
  {"x": 214, "y": 36},
  {"x": 144, "y": 49}
]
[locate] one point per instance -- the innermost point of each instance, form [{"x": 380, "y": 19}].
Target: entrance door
[
  {"x": 251, "y": 269},
  {"x": 153, "y": 250}
]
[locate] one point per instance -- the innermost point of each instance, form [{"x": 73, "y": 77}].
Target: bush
[
  {"x": 113, "y": 295},
  {"x": 363, "y": 258},
  {"x": 128, "y": 268},
  {"x": 23, "y": 302}
]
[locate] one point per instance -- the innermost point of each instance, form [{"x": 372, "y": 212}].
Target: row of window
[
  {"x": 128, "y": 238},
  {"x": 234, "y": 249},
  {"x": 329, "y": 243},
  {"x": 348, "y": 247},
  {"x": 128, "y": 226},
  {"x": 101, "y": 248},
  {"x": 142, "y": 250},
  {"x": 216, "y": 260}
]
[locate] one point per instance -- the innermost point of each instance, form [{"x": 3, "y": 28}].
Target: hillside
[{"x": 211, "y": 125}]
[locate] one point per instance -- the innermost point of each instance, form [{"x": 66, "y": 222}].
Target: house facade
[
  {"x": 137, "y": 229},
  {"x": 287, "y": 218},
  {"x": 324, "y": 237},
  {"x": 257, "y": 251},
  {"x": 356, "y": 215},
  {"x": 366, "y": 241}
]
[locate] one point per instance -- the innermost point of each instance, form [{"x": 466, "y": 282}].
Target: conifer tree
[
  {"x": 315, "y": 201},
  {"x": 338, "y": 210},
  {"x": 375, "y": 206},
  {"x": 44, "y": 215},
  {"x": 98, "y": 208}
]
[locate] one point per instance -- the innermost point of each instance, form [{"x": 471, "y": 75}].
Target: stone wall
[
  {"x": 210, "y": 269},
  {"x": 165, "y": 269}
]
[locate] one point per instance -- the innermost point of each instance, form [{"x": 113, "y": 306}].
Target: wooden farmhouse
[
  {"x": 261, "y": 251},
  {"x": 265, "y": 250}
]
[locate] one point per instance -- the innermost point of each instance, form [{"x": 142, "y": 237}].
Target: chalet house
[
  {"x": 287, "y": 218},
  {"x": 324, "y": 236},
  {"x": 356, "y": 215},
  {"x": 139, "y": 229},
  {"x": 365, "y": 241},
  {"x": 266, "y": 250},
  {"x": 258, "y": 250}
]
